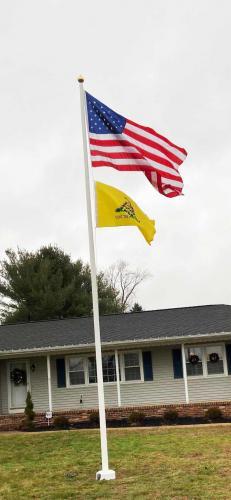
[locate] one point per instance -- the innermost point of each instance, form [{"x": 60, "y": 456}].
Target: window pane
[
  {"x": 92, "y": 370},
  {"x": 77, "y": 378},
  {"x": 214, "y": 349},
  {"x": 131, "y": 359},
  {"x": 109, "y": 368},
  {"x": 76, "y": 364},
  {"x": 76, "y": 370},
  {"x": 132, "y": 366},
  {"x": 193, "y": 351},
  {"x": 214, "y": 367},
  {"x": 132, "y": 373},
  {"x": 196, "y": 369}
]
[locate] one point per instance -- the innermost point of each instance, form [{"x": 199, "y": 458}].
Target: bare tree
[{"x": 126, "y": 281}]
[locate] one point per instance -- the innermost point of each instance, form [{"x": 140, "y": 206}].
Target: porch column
[
  {"x": 185, "y": 374},
  {"x": 117, "y": 377},
  {"x": 49, "y": 381}
]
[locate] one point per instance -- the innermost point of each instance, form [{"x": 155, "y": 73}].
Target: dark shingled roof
[
  {"x": 116, "y": 328},
  {"x": 160, "y": 324}
]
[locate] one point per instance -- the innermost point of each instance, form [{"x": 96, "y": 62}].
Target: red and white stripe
[{"x": 140, "y": 148}]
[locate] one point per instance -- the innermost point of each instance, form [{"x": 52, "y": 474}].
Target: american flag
[{"x": 120, "y": 143}]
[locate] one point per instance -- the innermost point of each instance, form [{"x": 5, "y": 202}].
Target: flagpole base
[{"x": 106, "y": 475}]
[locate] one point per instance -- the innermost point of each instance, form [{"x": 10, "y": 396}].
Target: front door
[{"x": 18, "y": 385}]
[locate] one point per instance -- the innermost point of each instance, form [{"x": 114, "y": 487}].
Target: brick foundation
[{"x": 14, "y": 422}]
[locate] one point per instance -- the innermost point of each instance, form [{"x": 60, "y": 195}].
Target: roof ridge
[{"x": 110, "y": 314}]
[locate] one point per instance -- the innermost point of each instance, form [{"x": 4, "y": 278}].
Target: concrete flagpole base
[{"x": 105, "y": 474}]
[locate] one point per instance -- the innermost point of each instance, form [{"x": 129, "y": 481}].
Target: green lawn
[{"x": 166, "y": 463}]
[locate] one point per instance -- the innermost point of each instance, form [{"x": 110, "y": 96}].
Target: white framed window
[
  {"x": 206, "y": 361},
  {"x": 81, "y": 369},
  {"x": 132, "y": 366},
  {"x": 109, "y": 368},
  {"x": 76, "y": 370},
  {"x": 214, "y": 360}
]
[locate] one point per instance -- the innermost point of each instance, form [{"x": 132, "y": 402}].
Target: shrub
[
  {"x": 136, "y": 418},
  {"x": 213, "y": 414},
  {"x": 171, "y": 416},
  {"x": 94, "y": 418},
  {"x": 61, "y": 422},
  {"x": 28, "y": 423}
]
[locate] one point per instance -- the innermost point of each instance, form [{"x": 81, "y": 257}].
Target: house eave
[{"x": 179, "y": 339}]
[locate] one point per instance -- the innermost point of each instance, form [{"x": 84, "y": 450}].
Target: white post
[
  {"x": 117, "y": 377},
  {"x": 185, "y": 373},
  {"x": 105, "y": 473},
  {"x": 49, "y": 382}
]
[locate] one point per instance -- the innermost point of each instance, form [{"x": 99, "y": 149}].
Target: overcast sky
[{"x": 165, "y": 64}]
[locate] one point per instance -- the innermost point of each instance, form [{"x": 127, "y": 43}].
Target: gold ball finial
[{"x": 80, "y": 79}]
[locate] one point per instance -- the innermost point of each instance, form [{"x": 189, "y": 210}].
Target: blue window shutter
[
  {"x": 177, "y": 363},
  {"x": 228, "y": 356},
  {"x": 61, "y": 372},
  {"x": 147, "y": 365}
]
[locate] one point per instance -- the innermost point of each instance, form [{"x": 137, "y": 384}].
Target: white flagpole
[{"x": 105, "y": 473}]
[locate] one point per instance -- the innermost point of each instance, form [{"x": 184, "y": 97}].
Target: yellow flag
[{"x": 115, "y": 208}]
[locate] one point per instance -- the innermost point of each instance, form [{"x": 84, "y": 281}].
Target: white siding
[
  {"x": 39, "y": 385},
  {"x": 209, "y": 389},
  {"x": 69, "y": 398},
  {"x": 163, "y": 389}
]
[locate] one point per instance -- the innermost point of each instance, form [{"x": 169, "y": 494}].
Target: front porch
[
  {"x": 13, "y": 395},
  {"x": 147, "y": 375}
]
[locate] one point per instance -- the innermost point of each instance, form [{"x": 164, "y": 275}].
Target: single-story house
[{"x": 173, "y": 356}]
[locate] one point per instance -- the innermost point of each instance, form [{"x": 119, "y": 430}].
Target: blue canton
[{"x": 101, "y": 119}]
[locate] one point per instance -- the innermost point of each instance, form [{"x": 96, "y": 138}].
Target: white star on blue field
[{"x": 103, "y": 120}]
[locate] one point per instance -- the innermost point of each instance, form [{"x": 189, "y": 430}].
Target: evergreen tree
[
  {"x": 29, "y": 411},
  {"x": 136, "y": 308},
  {"x": 46, "y": 284}
]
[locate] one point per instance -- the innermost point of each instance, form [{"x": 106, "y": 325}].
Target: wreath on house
[
  {"x": 193, "y": 358},
  {"x": 18, "y": 376},
  {"x": 214, "y": 357}
]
